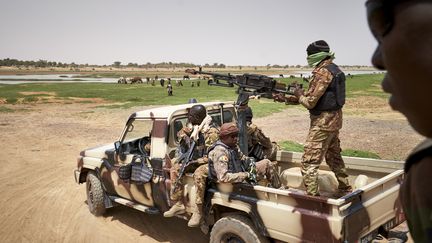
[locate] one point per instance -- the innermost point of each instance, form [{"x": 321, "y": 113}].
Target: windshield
[{"x": 137, "y": 129}]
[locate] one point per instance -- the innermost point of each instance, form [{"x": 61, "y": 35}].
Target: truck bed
[{"x": 292, "y": 216}]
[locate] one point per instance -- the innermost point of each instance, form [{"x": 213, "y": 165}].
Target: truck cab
[{"x": 148, "y": 142}]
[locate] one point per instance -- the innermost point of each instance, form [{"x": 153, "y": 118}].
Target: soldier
[
  {"x": 204, "y": 131},
  {"x": 403, "y": 30},
  {"x": 259, "y": 145},
  {"x": 227, "y": 164},
  {"x": 324, "y": 100}
]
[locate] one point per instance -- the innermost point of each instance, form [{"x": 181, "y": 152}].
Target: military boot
[
  {"x": 195, "y": 220},
  {"x": 177, "y": 208}
]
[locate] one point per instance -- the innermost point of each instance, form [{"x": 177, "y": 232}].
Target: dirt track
[{"x": 40, "y": 201}]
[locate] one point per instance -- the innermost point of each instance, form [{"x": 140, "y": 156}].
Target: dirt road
[{"x": 41, "y": 202}]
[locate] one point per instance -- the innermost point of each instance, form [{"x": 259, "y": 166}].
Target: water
[
  {"x": 72, "y": 78},
  {"x": 52, "y": 78}
]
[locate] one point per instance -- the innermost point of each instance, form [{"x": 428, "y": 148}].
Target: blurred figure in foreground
[{"x": 403, "y": 30}]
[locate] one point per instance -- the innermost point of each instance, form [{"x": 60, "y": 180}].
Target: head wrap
[
  {"x": 228, "y": 129},
  {"x": 318, "y": 51}
]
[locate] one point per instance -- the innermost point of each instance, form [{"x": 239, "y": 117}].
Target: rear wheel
[
  {"x": 95, "y": 194},
  {"x": 235, "y": 229}
]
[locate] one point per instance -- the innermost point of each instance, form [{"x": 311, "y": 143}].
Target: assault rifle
[
  {"x": 251, "y": 84},
  {"x": 185, "y": 159}
]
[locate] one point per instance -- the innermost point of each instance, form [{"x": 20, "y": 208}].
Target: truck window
[
  {"x": 228, "y": 117},
  {"x": 139, "y": 128},
  {"x": 179, "y": 123}
]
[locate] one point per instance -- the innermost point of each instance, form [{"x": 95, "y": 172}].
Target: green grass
[
  {"x": 296, "y": 147},
  {"x": 127, "y": 95},
  {"x": 5, "y": 109}
]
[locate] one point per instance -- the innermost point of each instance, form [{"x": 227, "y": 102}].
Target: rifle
[
  {"x": 185, "y": 159},
  {"x": 251, "y": 84}
]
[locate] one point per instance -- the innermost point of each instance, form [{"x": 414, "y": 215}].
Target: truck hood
[{"x": 98, "y": 152}]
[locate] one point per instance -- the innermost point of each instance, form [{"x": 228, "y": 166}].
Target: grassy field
[
  {"x": 124, "y": 96},
  {"x": 141, "y": 94}
]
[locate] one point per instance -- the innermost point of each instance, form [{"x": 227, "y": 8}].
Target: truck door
[{"x": 131, "y": 175}]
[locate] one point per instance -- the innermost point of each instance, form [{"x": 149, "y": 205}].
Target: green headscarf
[{"x": 316, "y": 58}]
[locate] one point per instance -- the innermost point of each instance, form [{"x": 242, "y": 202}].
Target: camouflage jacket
[
  {"x": 321, "y": 79},
  {"x": 206, "y": 138},
  {"x": 255, "y": 136},
  {"x": 223, "y": 159}
]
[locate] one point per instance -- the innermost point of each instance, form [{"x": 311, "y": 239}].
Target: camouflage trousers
[
  {"x": 319, "y": 145},
  {"x": 177, "y": 191},
  {"x": 200, "y": 178}
]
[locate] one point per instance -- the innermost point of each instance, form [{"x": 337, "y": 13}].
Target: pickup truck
[{"x": 239, "y": 212}]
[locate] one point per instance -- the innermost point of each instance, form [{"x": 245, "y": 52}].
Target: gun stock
[{"x": 185, "y": 159}]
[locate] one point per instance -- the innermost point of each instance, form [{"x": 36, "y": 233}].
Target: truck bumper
[{"x": 77, "y": 176}]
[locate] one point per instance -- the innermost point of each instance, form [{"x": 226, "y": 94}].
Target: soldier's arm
[
  {"x": 263, "y": 139},
  {"x": 211, "y": 136},
  {"x": 322, "y": 79},
  {"x": 221, "y": 168}
]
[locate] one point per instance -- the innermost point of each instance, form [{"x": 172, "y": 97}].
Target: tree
[{"x": 116, "y": 64}]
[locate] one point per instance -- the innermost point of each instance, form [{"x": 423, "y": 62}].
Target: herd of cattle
[{"x": 148, "y": 80}]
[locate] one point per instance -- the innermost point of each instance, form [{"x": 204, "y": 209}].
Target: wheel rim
[{"x": 231, "y": 238}]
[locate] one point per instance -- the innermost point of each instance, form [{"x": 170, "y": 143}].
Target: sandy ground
[{"x": 41, "y": 202}]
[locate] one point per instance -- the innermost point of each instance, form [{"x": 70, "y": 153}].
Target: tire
[
  {"x": 235, "y": 229},
  {"x": 95, "y": 194}
]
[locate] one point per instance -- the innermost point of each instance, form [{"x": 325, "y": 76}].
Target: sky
[{"x": 231, "y": 32}]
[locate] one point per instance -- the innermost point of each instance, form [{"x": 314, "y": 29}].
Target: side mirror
[{"x": 117, "y": 146}]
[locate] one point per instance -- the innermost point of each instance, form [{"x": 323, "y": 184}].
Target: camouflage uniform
[
  {"x": 201, "y": 173},
  {"x": 210, "y": 135},
  {"x": 323, "y": 138},
  {"x": 256, "y": 137},
  {"x": 228, "y": 166}
]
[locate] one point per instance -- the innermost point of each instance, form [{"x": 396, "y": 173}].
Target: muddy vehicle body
[{"x": 239, "y": 212}]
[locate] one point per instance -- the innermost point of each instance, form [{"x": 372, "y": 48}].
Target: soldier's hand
[
  {"x": 298, "y": 92},
  {"x": 278, "y": 97},
  {"x": 292, "y": 100}
]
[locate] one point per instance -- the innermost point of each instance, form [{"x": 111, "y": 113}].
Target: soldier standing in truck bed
[{"x": 324, "y": 100}]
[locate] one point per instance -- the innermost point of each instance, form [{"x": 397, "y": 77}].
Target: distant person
[
  {"x": 198, "y": 82},
  {"x": 192, "y": 83},
  {"x": 169, "y": 89},
  {"x": 403, "y": 30},
  {"x": 162, "y": 82},
  {"x": 324, "y": 100}
]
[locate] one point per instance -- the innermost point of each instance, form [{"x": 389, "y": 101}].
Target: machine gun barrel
[{"x": 253, "y": 84}]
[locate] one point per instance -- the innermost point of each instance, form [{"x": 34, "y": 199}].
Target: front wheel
[
  {"x": 235, "y": 229},
  {"x": 95, "y": 194}
]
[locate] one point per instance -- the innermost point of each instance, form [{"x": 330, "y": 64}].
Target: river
[{"x": 72, "y": 78}]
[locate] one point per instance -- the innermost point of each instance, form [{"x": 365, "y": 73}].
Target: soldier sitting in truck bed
[
  {"x": 228, "y": 165},
  {"x": 259, "y": 145}
]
